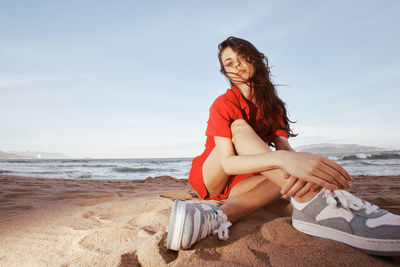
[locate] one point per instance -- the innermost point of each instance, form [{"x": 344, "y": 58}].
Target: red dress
[{"x": 226, "y": 109}]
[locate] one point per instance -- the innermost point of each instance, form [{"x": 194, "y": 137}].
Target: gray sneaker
[
  {"x": 340, "y": 216},
  {"x": 190, "y": 222}
]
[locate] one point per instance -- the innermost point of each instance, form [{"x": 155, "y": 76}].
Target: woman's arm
[
  {"x": 233, "y": 164},
  {"x": 294, "y": 186},
  {"x": 312, "y": 168}
]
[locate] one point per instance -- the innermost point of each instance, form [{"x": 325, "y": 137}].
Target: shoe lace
[
  {"x": 348, "y": 201},
  {"x": 216, "y": 223}
]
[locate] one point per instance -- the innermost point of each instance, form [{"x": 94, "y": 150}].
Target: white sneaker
[
  {"x": 190, "y": 222},
  {"x": 340, "y": 216}
]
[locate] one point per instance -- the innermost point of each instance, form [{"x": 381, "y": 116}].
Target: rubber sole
[
  {"x": 380, "y": 247},
  {"x": 176, "y": 223}
]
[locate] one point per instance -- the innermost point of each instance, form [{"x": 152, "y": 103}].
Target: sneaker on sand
[
  {"x": 190, "y": 222},
  {"x": 340, "y": 216}
]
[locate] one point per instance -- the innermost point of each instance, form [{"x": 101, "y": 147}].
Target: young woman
[{"x": 239, "y": 167}]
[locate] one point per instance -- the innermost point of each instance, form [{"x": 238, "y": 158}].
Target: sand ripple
[{"x": 49, "y": 222}]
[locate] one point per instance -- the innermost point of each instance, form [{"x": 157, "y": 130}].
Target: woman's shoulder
[
  {"x": 227, "y": 98},
  {"x": 227, "y": 104}
]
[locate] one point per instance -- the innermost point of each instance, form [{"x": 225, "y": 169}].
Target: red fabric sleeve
[{"x": 222, "y": 114}]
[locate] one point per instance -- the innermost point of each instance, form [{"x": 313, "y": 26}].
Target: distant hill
[
  {"x": 326, "y": 148},
  {"x": 4, "y": 155},
  {"x": 31, "y": 155}
]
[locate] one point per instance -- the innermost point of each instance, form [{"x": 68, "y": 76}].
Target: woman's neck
[{"x": 245, "y": 90}]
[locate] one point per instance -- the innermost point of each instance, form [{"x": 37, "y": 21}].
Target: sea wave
[
  {"x": 19, "y": 161},
  {"x": 56, "y": 173},
  {"x": 133, "y": 170},
  {"x": 370, "y": 156},
  {"x": 87, "y": 165},
  {"x": 360, "y": 163},
  {"x": 385, "y": 156},
  {"x": 168, "y": 161}
]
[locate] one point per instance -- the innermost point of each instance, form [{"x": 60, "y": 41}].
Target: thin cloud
[{"x": 17, "y": 80}]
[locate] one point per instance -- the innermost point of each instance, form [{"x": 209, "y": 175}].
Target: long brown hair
[{"x": 262, "y": 89}]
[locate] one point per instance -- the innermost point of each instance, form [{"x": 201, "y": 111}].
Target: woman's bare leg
[
  {"x": 214, "y": 176},
  {"x": 253, "y": 192},
  {"x": 241, "y": 202},
  {"x": 247, "y": 142}
]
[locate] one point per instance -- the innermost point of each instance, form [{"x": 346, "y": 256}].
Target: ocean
[
  {"x": 136, "y": 169},
  {"x": 384, "y": 163}
]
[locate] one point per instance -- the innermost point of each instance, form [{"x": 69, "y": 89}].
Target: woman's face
[{"x": 237, "y": 69}]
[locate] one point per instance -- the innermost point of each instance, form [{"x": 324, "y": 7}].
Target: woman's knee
[{"x": 239, "y": 125}]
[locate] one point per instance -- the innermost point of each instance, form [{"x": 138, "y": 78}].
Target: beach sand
[{"x": 64, "y": 222}]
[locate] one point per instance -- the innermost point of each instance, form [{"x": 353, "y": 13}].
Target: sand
[{"x": 63, "y": 222}]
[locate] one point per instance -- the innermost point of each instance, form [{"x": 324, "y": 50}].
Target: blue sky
[{"x": 108, "y": 79}]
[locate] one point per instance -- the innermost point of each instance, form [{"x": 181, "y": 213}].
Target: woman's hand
[
  {"x": 315, "y": 169},
  {"x": 296, "y": 187}
]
